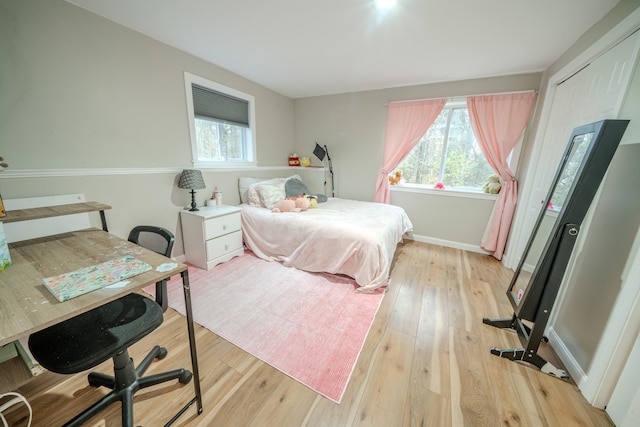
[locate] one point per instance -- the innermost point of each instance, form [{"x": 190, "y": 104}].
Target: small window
[
  {"x": 448, "y": 153},
  {"x": 221, "y": 124}
]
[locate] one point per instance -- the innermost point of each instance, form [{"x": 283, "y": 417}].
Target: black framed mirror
[
  {"x": 537, "y": 279},
  {"x": 521, "y": 291}
]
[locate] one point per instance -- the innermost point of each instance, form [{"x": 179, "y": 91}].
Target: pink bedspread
[{"x": 341, "y": 236}]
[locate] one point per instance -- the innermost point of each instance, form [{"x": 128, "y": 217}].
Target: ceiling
[{"x": 306, "y": 48}]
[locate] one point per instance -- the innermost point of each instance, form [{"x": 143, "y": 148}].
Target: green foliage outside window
[
  {"x": 448, "y": 153},
  {"x": 218, "y": 141}
]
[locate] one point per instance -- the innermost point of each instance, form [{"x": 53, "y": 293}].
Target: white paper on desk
[
  {"x": 167, "y": 266},
  {"x": 119, "y": 284}
]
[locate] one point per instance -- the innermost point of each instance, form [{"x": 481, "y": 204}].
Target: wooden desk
[{"x": 26, "y": 306}]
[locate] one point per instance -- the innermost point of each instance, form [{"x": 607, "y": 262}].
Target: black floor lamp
[{"x": 320, "y": 152}]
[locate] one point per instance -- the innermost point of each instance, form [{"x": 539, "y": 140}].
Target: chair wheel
[
  {"x": 186, "y": 377},
  {"x": 162, "y": 353}
]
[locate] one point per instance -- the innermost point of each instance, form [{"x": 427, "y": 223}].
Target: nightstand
[{"x": 211, "y": 235}]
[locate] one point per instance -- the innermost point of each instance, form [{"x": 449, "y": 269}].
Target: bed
[{"x": 339, "y": 236}]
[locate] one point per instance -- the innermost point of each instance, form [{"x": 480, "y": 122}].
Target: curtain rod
[{"x": 461, "y": 96}]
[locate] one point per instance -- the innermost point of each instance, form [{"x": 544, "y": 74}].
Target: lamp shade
[
  {"x": 191, "y": 179},
  {"x": 319, "y": 152}
]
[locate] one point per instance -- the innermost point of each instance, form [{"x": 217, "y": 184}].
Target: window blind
[{"x": 219, "y": 106}]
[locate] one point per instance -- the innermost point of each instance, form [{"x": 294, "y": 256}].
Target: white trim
[
  {"x": 624, "y": 29},
  {"x": 189, "y": 79},
  {"x": 42, "y": 173},
  {"x": 468, "y": 194},
  {"x": 461, "y": 97},
  {"x": 569, "y": 362},
  {"x": 224, "y": 165},
  {"x": 450, "y": 244}
]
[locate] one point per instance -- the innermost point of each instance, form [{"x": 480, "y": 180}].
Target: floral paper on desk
[
  {"x": 5, "y": 257},
  {"x": 75, "y": 283}
]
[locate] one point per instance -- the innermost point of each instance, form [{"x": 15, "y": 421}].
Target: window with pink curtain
[
  {"x": 407, "y": 122},
  {"x": 498, "y": 122}
]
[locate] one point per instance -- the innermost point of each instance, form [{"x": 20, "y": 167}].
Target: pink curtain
[
  {"x": 407, "y": 122},
  {"x": 498, "y": 122}
]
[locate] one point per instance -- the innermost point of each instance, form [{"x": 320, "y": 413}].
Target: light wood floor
[{"x": 426, "y": 362}]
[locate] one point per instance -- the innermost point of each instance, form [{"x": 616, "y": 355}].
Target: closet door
[{"x": 593, "y": 93}]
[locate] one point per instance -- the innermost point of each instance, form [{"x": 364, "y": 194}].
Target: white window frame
[{"x": 250, "y": 144}]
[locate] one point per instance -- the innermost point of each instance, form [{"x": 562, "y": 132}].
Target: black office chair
[
  {"x": 85, "y": 341},
  {"x": 159, "y": 240}
]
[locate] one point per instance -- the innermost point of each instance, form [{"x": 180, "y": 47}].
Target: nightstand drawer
[
  {"x": 223, "y": 245},
  {"x": 219, "y": 226}
]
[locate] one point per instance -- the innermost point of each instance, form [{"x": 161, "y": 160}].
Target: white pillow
[{"x": 270, "y": 194}]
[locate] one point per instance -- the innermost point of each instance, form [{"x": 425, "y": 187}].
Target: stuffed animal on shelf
[
  {"x": 492, "y": 186},
  {"x": 396, "y": 177}
]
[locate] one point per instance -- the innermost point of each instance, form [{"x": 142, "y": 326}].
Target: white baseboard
[
  {"x": 573, "y": 368},
  {"x": 450, "y": 244}
]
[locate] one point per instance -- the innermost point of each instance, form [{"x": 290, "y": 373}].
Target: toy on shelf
[
  {"x": 492, "y": 186},
  {"x": 294, "y": 160},
  {"x": 396, "y": 177}
]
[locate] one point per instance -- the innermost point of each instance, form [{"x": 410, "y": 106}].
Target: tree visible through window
[
  {"x": 448, "y": 153},
  {"x": 219, "y": 141}
]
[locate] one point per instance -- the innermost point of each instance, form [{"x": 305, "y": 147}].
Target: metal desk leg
[
  {"x": 103, "y": 218},
  {"x": 194, "y": 354},
  {"x": 192, "y": 346},
  {"x": 192, "y": 338}
]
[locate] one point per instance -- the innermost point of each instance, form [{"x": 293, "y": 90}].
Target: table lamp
[{"x": 191, "y": 179}]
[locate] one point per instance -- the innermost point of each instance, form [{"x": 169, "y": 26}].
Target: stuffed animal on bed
[
  {"x": 292, "y": 204},
  {"x": 313, "y": 201},
  {"x": 302, "y": 203}
]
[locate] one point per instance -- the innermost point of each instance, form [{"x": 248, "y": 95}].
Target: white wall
[{"x": 88, "y": 106}]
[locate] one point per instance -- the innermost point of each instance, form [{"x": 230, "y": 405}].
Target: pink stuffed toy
[
  {"x": 285, "y": 205},
  {"x": 298, "y": 204},
  {"x": 302, "y": 203}
]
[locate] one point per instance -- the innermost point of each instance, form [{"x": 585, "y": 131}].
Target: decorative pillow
[
  {"x": 243, "y": 186},
  {"x": 253, "y": 198},
  {"x": 295, "y": 187},
  {"x": 270, "y": 194}
]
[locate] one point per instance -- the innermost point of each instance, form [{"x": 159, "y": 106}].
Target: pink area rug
[{"x": 310, "y": 326}]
